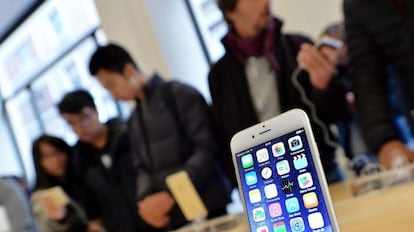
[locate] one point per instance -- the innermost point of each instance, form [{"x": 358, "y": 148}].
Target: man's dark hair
[
  {"x": 227, "y": 6},
  {"x": 111, "y": 57},
  {"x": 74, "y": 102}
]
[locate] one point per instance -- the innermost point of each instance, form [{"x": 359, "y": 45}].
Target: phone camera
[
  {"x": 253, "y": 136},
  {"x": 295, "y": 143},
  {"x": 263, "y": 126}
]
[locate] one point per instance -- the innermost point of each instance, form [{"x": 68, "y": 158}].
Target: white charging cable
[{"x": 313, "y": 112}]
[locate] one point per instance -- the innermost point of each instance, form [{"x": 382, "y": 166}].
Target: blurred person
[
  {"x": 15, "y": 201},
  {"x": 254, "y": 80},
  {"x": 102, "y": 160},
  {"x": 51, "y": 156},
  {"x": 337, "y": 32},
  {"x": 355, "y": 147},
  {"x": 170, "y": 131},
  {"x": 380, "y": 39}
]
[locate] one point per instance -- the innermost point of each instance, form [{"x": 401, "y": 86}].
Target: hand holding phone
[
  {"x": 280, "y": 176},
  {"x": 53, "y": 211},
  {"x": 53, "y": 200},
  {"x": 55, "y": 196},
  {"x": 154, "y": 209},
  {"x": 319, "y": 63},
  {"x": 186, "y": 196}
]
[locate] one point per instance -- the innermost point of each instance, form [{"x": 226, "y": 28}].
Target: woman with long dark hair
[{"x": 51, "y": 156}]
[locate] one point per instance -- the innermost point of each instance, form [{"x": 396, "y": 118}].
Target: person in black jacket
[
  {"x": 380, "y": 38},
  {"x": 51, "y": 156},
  {"x": 102, "y": 159},
  {"x": 253, "y": 81},
  {"x": 170, "y": 131}
]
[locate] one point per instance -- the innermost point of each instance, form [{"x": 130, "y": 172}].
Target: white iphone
[
  {"x": 280, "y": 176},
  {"x": 186, "y": 196}
]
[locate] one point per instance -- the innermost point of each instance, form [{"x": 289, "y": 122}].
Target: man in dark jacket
[
  {"x": 103, "y": 160},
  {"x": 380, "y": 37},
  {"x": 170, "y": 131},
  {"x": 253, "y": 81}
]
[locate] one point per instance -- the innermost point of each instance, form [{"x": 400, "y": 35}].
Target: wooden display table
[{"x": 389, "y": 209}]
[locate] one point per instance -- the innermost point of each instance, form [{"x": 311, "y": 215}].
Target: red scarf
[{"x": 261, "y": 45}]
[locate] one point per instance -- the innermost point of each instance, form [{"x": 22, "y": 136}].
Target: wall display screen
[
  {"x": 46, "y": 93},
  {"x": 211, "y": 24},
  {"x": 44, "y": 36},
  {"x": 67, "y": 75},
  {"x": 26, "y": 127},
  {"x": 46, "y": 57}
]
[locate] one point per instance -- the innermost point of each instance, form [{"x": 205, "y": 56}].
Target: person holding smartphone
[
  {"x": 51, "y": 157},
  {"x": 170, "y": 131},
  {"x": 253, "y": 81}
]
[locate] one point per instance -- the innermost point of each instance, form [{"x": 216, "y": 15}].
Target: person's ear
[
  {"x": 129, "y": 70},
  {"x": 229, "y": 16}
]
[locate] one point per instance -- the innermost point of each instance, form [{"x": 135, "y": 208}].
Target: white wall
[
  {"x": 307, "y": 16},
  {"x": 179, "y": 43},
  {"x": 127, "y": 23}
]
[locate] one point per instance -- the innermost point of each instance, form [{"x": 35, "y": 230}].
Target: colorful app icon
[
  {"x": 251, "y": 178},
  {"x": 275, "y": 210},
  {"x": 292, "y": 205},
  {"x": 300, "y": 161},
  {"x": 270, "y": 191},
  {"x": 262, "y": 155},
  {"x": 262, "y": 229},
  {"x": 278, "y": 149},
  {"x": 255, "y": 196},
  {"x": 310, "y": 200},
  {"x": 297, "y": 225},
  {"x": 305, "y": 180},
  {"x": 282, "y": 167},
  {"x": 259, "y": 214},
  {"x": 295, "y": 143},
  {"x": 247, "y": 161},
  {"x": 287, "y": 186},
  {"x": 316, "y": 220},
  {"x": 279, "y": 227},
  {"x": 266, "y": 173}
]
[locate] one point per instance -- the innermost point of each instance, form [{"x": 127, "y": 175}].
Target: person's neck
[
  {"x": 246, "y": 33},
  {"x": 102, "y": 138},
  {"x": 140, "y": 93}
]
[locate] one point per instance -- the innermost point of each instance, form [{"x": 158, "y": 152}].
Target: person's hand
[
  {"x": 319, "y": 63},
  {"x": 95, "y": 226},
  {"x": 53, "y": 211},
  {"x": 394, "y": 154},
  {"x": 154, "y": 209}
]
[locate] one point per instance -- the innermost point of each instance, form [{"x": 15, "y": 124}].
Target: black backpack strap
[{"x": 171, "y": 103}]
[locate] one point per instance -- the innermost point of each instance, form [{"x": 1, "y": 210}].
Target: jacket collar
[{"x": 152, "y": 84}]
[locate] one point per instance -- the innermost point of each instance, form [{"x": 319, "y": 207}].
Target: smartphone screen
[{"x": 281, "y": 187}]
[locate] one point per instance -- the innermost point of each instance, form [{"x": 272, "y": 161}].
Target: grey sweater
[{"x": 17, "y": 206}]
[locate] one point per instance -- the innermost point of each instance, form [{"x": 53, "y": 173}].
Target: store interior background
[{"x": 177, "y": 38}]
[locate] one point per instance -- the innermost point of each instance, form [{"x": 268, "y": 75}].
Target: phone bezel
[{"x": 265, "y": 131}]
